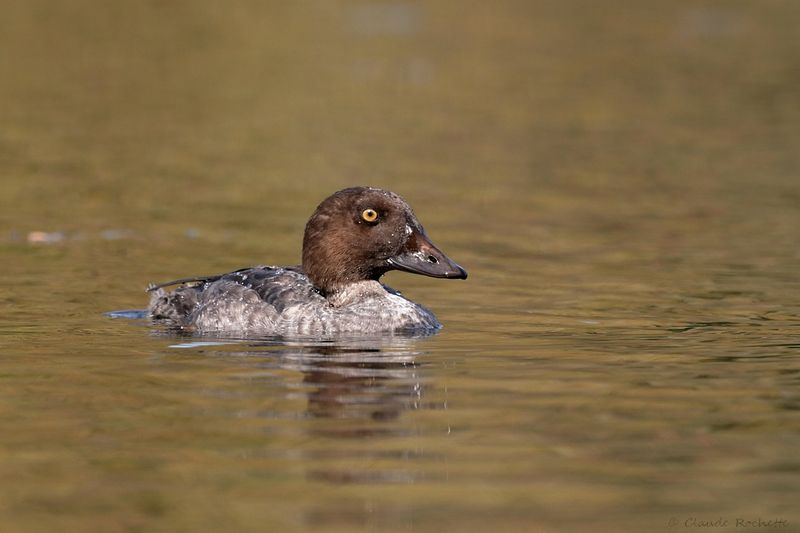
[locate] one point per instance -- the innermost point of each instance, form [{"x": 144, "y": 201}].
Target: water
[{"x": 621, "y": 184}]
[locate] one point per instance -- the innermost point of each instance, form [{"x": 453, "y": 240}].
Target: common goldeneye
[{"x": 353, "y": 238}]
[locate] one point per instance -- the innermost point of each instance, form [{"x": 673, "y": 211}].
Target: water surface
[{"x": 620, "y": 182}]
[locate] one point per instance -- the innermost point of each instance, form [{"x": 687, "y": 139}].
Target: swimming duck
[{"x": 354, "y": 237}]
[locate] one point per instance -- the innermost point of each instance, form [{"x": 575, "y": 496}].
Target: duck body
[
  {"x": 270, "y": 300},
  {"x": 353, "y": 238}
]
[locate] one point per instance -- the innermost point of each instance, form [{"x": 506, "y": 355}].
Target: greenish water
[{"x": 621, "y": 182}]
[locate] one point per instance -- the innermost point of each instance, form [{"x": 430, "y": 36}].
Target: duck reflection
[
  {"x": 357, "y": 380},
  {"x": 372, "y": 378},
  {"x": 356, "y": 391},
  {"x": 369, "y": 395}
]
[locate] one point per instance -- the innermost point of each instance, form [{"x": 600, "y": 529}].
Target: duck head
[{"x": 361, "y": 233}]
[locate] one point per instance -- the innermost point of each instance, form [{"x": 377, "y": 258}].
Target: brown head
[{"x": 361, "y": 233}]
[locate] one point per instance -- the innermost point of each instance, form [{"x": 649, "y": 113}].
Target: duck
[{"x": 353, "y": 238}]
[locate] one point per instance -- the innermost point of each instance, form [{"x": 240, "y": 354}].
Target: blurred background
[{"x": 619, "y": 178}]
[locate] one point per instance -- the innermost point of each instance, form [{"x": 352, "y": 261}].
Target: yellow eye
[{"x": 369, "y": 215}]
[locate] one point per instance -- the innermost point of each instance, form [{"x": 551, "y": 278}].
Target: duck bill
[{"x": 420, "y": 256}]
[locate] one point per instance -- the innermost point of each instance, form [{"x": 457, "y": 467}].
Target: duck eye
[{"x": 369, "y": 215}]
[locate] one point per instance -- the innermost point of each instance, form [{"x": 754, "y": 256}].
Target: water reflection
[
  {"x": 356, "y": 391},
  {"x": 357, "y": 380}
]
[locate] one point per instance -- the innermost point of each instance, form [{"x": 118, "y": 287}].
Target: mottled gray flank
[{"x": 282, "y": 301}]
